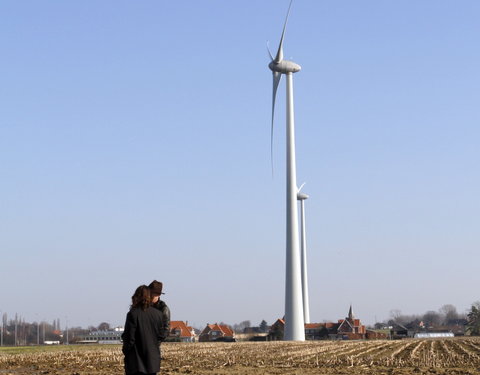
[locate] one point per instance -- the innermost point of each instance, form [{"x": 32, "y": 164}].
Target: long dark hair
[{"x": 141, "y": 298}]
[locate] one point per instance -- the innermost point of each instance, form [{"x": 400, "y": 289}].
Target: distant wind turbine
[
  {"x": 306, "y": 304},
  {"x": 294, "y": 320}
]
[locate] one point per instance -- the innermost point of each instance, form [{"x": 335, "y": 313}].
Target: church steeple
[{"x": 350, "y": 313}]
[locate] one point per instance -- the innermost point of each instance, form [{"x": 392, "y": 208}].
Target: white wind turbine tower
[
  {"x": 306, "y": 304},
  {"x": 294, "y": 320}
]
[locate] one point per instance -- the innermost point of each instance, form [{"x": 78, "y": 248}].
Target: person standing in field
[
  {"x": 156, "y": 288},
  {"x": 143, "y": 334}
]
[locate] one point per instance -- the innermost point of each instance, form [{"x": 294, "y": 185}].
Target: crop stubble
[{"x": 426, "y": 356}]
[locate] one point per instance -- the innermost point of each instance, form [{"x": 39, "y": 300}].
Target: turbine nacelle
[
  {"x": 302, "y": 196},
  {"x": 284, "y": 67}
]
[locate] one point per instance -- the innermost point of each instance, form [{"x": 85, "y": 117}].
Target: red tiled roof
[
  {"x": 281, "y": 321},
  {"x": 224, "y": 329},
  {"x": 176, "y": 325},
  {"x": 214, "y": 327}
]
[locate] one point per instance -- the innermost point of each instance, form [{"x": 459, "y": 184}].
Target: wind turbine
[
  {"x": 306, "y": 305},
  {"x": 294, "y": 320}
]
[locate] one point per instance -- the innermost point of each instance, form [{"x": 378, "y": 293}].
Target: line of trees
[
  {"x": 446, "y": 317},
  {"x": 18, "y": 332}
]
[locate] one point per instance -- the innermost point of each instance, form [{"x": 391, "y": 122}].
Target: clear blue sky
[{"x": 135, "y": 145}]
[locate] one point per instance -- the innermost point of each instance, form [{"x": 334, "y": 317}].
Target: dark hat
[{"x": 156, "y": 287}]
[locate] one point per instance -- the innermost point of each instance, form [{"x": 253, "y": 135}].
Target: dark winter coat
[
  {"x": 163, "y": 308},
  {"x": 141, "y": 341}
]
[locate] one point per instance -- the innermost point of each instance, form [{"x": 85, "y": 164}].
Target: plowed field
[{"x": 415, "y": 356}]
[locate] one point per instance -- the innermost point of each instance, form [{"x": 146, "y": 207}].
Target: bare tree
[
  {"x": 395, "y": 314},
  {"x": 104, "y": 326},
  {"x": 431, "y": 319},
  {"x": 400, "y": 318},
  {"x": 449, "y": 313},
  {"x": 241, "y": 326}
]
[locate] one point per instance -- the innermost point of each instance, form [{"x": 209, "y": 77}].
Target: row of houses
[
  {"x": 349, "y": 328},
  {"x": 179, "y": 331}
]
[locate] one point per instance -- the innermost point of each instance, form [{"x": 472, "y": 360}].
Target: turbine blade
[
  {"x": 279, "y": 56},
  {"x": 276, "y": 81},
  {"x": 301, "y": 187},
  {"x": 268, "y": 49}
]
